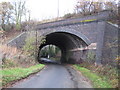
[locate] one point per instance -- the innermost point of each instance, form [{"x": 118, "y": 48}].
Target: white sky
[
  {"x": 42, "y": 9},
  {"x": 45, "y": 9}
]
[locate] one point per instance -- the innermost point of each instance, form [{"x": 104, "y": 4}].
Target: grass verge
[
  {"x": 96, "y": 80},
  {"x": 18, "y": 73}
]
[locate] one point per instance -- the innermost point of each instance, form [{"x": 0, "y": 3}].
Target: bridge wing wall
[
  {"x": 110, "y": 45},
  {"x": 18, "y": 41}
]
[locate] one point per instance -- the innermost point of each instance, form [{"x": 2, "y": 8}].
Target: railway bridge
[{"x": 89, "y": 38}]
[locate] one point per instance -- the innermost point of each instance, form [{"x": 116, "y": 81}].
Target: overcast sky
[
  {"x": 49, "y": 8},
  {"x": 45, "y": 9}
]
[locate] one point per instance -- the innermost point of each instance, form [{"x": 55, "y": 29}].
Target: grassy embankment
[
  {"x": 18, "y": 73},
  {"x": 17, "y": 63},
  {"x": 96, "y": 80}
]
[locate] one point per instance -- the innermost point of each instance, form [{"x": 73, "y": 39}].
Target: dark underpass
[{"x": 68, "y": 43}]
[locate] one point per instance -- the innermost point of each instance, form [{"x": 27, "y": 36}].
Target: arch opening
[{"x": 68, "y": 44}]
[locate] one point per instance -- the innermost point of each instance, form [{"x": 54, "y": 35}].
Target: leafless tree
[
  {"x": 19, "y": 12},
  {"x": 91, "y": 6},
  {"x": 5, "y": 13}
]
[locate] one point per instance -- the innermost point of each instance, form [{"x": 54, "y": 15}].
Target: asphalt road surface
[{"x": 55, "y": 76}]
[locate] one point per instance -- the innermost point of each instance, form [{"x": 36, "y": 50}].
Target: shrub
[
  {"x": 32, "y": 45},
  {"x": 69, "y": 15}
]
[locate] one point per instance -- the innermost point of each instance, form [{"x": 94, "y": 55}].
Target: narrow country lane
[{"x": 55, "y": 76}]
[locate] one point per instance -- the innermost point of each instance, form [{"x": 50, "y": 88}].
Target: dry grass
[
  {"x": 50, "y": 20},
  {"x": 9, "y": 51},
  {"x": 12, "y": 57},
  {"x": 7, "y": 54}
]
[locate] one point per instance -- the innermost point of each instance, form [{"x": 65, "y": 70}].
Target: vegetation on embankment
[
  {"x": 12, "y": 57},
  {"x": 18, "y": 63},
  {"x": 12, "y": 74},
  {"x": 99, "y": 76}
]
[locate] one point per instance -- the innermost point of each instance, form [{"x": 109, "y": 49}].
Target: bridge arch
[{"x": 68, "y": 40}]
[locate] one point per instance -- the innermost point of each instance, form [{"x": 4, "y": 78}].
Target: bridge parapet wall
[{"x": 104, "y": 15}]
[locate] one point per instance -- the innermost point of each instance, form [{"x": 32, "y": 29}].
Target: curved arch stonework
[{"x": 70, "y": 31}]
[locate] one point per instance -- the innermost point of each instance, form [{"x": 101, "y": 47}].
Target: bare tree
[
  {"x": 85, "y": 7},
  {"x": 91, "y": 6},
  {"x": 19, "y": 10},
  {"x": 5, "y": 13},
  {"x": 81, "y": 7},
  {"x": 97, "y": 7},
  {"x": 111, "y": 5}
]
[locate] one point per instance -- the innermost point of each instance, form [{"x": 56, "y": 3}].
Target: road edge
[{"x": 12, "y": 83}]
